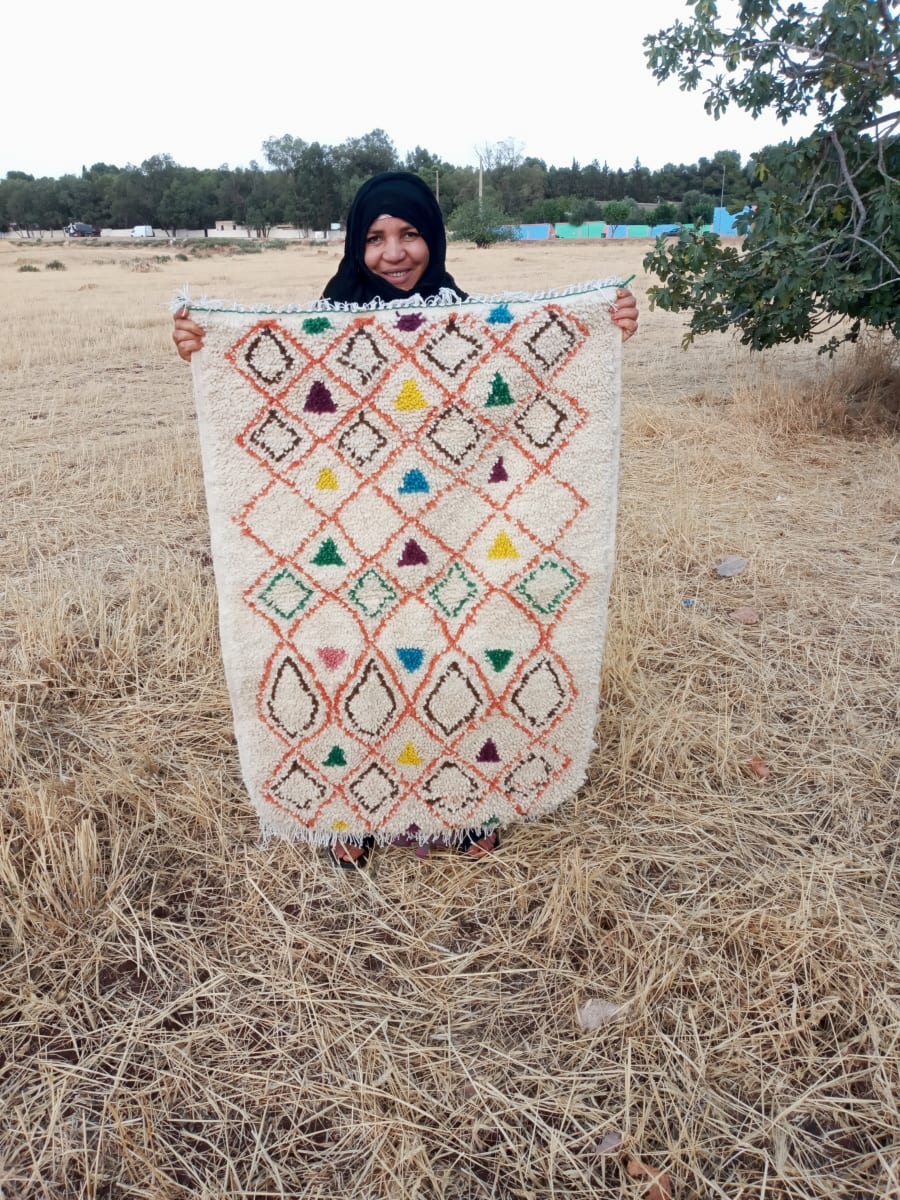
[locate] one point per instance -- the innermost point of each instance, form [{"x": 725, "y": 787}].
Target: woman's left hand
[{"x": 625, "y": 313}]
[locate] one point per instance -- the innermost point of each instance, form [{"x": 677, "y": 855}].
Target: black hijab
[{"x": 405, "y": 196}]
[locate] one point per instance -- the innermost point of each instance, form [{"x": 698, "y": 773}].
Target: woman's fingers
[
  {"x": 187, "y": 335},
  {"x": 625, "y": 313}
]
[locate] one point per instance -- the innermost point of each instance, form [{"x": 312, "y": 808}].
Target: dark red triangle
[
  {"x": 488, "y": 752},
  {"x": 413, "y": 555},
  {"x": 498, "y": 472},
  {"x": 319, "y": 399}
]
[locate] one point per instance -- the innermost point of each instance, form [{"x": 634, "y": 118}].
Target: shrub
[
  {"x": 860, "y": 397},
  {"x": 482, "y": 224},
  {"x": 181, "y": 258},
  {"x": 55, "y": 265},
  {"x": 28, "y": 267}
]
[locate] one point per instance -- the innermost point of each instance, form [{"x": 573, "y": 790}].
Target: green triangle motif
[
  {"x": 336, "y": 758},
  {"x": 328, "y": 556},
  {"x": 498, "y": 658},
  {"x": 500, "y": 393},
  {"x": 316, "y": 325}
]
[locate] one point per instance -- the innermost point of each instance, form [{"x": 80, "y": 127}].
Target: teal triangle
[
  {"x": 336, "y": 758},
  {"x": 316, "y": 325},
  {"x": 411, "y": 657},
  {"x": 498, "y": 658},
  {"x": 500, "y": 393},
  {"x": 328, "y": 556},
  {"x": 413, "y": 481}
]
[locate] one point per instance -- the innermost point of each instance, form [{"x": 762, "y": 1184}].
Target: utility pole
[{"x": 480, "y": 179}]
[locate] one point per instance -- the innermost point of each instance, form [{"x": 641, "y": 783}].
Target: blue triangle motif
[
  {"x": 413, "y": 481},
  {"x": 411, "y": 657}
]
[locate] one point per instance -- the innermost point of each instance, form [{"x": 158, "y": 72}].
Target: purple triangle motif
[
  {"x": 409, "y": 321},
  {"x": 319, "y": 399},
  {"x": 498, "y": 472},
  {"x": 413, "y": 555},
  {"x": 488, "y": 752}
]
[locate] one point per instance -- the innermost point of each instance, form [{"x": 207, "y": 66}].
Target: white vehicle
[{"x": 143, "y": 231}]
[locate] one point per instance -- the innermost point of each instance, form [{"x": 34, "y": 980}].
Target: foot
[
  {"x": 477, "y": 847},
  {"x": 345, "y": 853},
  {"x": 350, "y": 857}
]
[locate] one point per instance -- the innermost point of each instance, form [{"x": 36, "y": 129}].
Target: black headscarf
[{"x": 405, "y": 196}]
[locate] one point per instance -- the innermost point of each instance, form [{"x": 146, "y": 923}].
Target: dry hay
[{"x": 693, "y": 964}]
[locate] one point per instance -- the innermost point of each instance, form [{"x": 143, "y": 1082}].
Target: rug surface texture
[{"x": 412, "y": 512}]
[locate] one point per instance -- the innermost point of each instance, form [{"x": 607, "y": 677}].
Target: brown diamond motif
[
  {"x": 455, "y": 434},
  {"x": 362, "y": 441},
  {"x": 298, "y": 791},
  {"x": 275, "y": 437},
  {"x": 451, "y": 350},
  {"x": 373, "y": 789},
  {"x": 453, "y": 700}
]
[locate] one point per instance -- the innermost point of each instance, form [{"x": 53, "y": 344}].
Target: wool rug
[{"x": 412, "y": 511}]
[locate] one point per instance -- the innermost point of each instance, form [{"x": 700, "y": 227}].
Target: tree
[
  {"x": 367, "y": 155},
  {"x": 585, "y": 210},
  {"x": 696, "y": 209},
  {"x": 616, "y": 212},
  {"x": 822, "y": 242},
  {"x": 664, "y": 213},
  {"x": 482, "y": 224}
]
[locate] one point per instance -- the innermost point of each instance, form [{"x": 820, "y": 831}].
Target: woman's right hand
[{"x": 187, "y": 335}]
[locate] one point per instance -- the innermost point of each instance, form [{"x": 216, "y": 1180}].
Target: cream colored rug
[{"x": 413, "y": 514}]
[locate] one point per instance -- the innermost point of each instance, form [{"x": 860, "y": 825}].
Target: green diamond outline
[
  {"x": 389, "y": 594},
  {"x": 305, "y": 589},
  {"x": 553, "y": 604},
  {"x": 457, "y": 570}
]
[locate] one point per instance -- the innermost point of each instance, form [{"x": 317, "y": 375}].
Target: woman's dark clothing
[{"x": 405, "y": 196}]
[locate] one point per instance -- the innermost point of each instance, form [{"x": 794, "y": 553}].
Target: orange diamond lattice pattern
[{"x": 412, "y": 513}]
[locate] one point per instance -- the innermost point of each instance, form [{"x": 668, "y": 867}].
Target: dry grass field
[{"x": 186, "y": 1013}]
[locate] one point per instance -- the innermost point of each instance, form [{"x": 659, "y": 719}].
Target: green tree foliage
[
  {"x": 484, "y": 224},
  {"x": 584, "y": 210},
  {"x": 616, "y": 212},
  {"x": 665, "y": 213},
  {"x": 696, "y": 208},
  {"x": 823, "y": 240}
]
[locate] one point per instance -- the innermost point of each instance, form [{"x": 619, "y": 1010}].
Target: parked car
[
  {"x": 143, "y": 231},
  {"x": 80, "y": 229}
]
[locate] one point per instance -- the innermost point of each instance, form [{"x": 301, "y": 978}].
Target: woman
[{"x": 395, "y": 247}]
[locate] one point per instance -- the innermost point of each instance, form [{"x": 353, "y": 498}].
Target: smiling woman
[
  {"x": 395, "y": 243},
  {"x": 396, "y": 252}
]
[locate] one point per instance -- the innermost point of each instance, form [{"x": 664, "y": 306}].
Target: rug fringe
[{"x": 445, "y": 298}]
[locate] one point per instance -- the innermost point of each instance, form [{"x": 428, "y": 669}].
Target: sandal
[
  {"x": 471, "y": 840},
  {"x": 367, "y": 845}
]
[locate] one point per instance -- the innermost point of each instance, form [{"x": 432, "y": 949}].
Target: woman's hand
[
  {"x": 187, "y": 335},
  {"x": 625, "y": 313}
]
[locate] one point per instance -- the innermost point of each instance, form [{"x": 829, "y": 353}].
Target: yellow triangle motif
[
  {"x": 327, "y": 481},
  {"x": 410, "y": 397},
  {"x": 503, "y": 547},
  {"x": 409, "y": 757}
]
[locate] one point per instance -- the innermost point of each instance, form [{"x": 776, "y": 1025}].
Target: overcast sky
[{"x": 117, "y": 83}]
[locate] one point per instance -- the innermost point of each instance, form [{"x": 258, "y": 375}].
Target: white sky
[{"x": 208, "y": 83}]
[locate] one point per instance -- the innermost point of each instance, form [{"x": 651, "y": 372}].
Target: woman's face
[{"x": 396, "y": 252}]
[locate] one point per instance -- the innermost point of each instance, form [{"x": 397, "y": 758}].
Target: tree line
[{"x": 310, "y": 185}]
